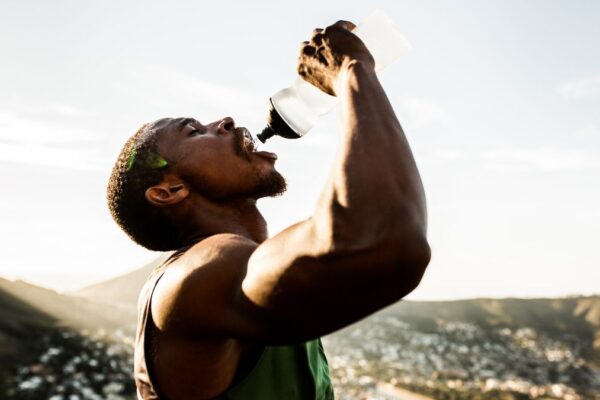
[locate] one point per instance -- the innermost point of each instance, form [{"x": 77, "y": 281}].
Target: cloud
[
  {"x": 53, "y": 157},
  {"x": 539, "y": 159},
  {"x": 64, "y": 110},
  {"x": 514, "y": 159},
  {"x": 16, "y": 129},
  {"x": 581, "y": 87},
  {"x": 25, "y": 141},
  {"x": 174, "y": 90},
  {"x": 590, "y": 131}
]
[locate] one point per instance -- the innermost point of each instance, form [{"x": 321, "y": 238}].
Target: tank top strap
[{"x": 143, "y": 373}]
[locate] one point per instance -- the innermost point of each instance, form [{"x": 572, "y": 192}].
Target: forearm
[{"x": 375, "y": 190}]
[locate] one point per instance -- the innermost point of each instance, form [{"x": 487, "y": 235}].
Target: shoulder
[
  {"x": 214, "y": 248},
  {"x": 197, "y": 286}
]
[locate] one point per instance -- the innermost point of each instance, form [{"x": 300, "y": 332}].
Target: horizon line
[{"x": 444, "y": 300}]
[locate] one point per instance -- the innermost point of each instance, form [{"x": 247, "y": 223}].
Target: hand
[{"x": 329, "y": 52}]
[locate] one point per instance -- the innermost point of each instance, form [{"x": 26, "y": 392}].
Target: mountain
[
  {"x": 472, "y": 349},
  {"x": 122, "y": 290},
  {"x": 443, "y": 349},
  {"x": 556, "y": 315},
  {"x": 24, "y": 304},
  {"x": 28, "y": 313},
  {"x": 18, "y": 320},
  {"x": 51, "y": 342},
  {"x": 579, "y": 316}
]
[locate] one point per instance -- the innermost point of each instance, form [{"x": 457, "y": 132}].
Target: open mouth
[{"x": 248, "y": 143}]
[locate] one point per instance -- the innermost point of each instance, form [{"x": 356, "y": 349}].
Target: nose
[{"x": 226, "y": 125}]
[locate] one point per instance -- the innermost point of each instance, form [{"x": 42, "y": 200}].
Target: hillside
[
  {"x": 580, "y": 315},
  {"x": 38, "y": 306},
  {"x": 577, "y": 315},
  {"x": 537, "y": 348},
  {"x": 122, "y": 289},
  {"x": 19, "y": 322}
]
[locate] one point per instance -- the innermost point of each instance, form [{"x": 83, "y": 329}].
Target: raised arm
[{"x": 365, "y": 246}]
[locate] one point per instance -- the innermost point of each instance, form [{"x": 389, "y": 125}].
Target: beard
[{"x": 270, "y": 185}]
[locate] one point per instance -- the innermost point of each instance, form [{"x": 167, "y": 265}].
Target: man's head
[{"x": 170, "y": 162}]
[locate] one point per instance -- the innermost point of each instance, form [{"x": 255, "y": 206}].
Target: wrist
[{"x": 350, "y": 70}]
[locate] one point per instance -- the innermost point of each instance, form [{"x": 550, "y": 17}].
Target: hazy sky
[{"x": 500, "y": 101}]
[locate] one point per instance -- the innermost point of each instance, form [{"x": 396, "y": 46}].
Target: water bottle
[{"x": 293, "y": 111}]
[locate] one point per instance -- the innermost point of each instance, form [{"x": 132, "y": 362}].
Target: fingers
[
  {"x": 318, "y": 33},
  {"x": 322, "y": 59},
  {"x": 307, "y": 49},
  {"x": 317, "y": 39}
]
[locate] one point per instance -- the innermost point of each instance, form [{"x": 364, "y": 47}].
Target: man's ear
[{"x": 167, "y": 193}]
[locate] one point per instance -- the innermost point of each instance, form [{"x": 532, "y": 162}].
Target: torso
[{"x": 211, "y": 366}]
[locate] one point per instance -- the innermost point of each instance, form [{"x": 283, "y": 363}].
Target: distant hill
[
  {"x": 122, "y": 290},
  {"x": 557, "y": 315},
  {"x": 18, "y": 322},
  {"x": 27, "y": 312},
  {"x": 410, "y": 335},
  {"x": 577, "y": 315},
  {"x": 474, "y": 349},
  {"x": 21, "y": 302}
]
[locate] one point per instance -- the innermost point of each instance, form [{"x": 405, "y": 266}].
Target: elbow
[
  {"x": 412, "y": 260},
  {"x": 422, "y": 259},
  {"x": 421, "y": 254}
]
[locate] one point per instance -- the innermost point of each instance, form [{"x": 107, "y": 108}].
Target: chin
[{"x": 270, "y": 185}]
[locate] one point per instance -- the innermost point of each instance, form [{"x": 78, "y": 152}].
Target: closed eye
[{"x": 195, "y": 131}]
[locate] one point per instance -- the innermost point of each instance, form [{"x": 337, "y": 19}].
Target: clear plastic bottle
[{"x": 293, "y": 111}]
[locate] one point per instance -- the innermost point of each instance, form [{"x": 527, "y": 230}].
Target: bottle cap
[
  {"x": 276, "y": 126},
  {"x": 266, "y": 134}
]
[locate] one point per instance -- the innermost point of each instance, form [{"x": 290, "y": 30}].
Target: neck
[{"x": 203, "y": 218}]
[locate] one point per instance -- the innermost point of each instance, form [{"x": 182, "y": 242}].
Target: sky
[{"x": 499, "y": 101}]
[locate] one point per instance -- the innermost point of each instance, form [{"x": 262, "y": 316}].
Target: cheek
[{"x": 223, "y": 179}]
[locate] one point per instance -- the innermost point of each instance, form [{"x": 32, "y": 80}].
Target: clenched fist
[{"x": 330, "y": 51}]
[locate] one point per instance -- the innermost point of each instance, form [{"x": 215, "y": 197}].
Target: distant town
[
  {"x": 458, "y": 360},
  {"x": 79, "y": 346},
  {"x": 380, "y": 358}
]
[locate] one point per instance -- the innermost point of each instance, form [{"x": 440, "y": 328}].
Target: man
[{"x": 234, "y": 314}]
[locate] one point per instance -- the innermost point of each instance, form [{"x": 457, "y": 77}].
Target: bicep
[{"x": 313, "y": 289}]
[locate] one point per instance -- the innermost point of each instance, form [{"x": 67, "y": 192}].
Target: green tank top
[{"x": 295, "y": 372}]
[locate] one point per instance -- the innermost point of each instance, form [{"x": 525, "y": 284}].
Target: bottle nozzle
[
  {"x": 266, "y": 134},
  {"x": 276, "y": 126}
]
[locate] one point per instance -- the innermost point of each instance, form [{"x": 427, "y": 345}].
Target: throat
[{"x": 212, "y": 218}]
